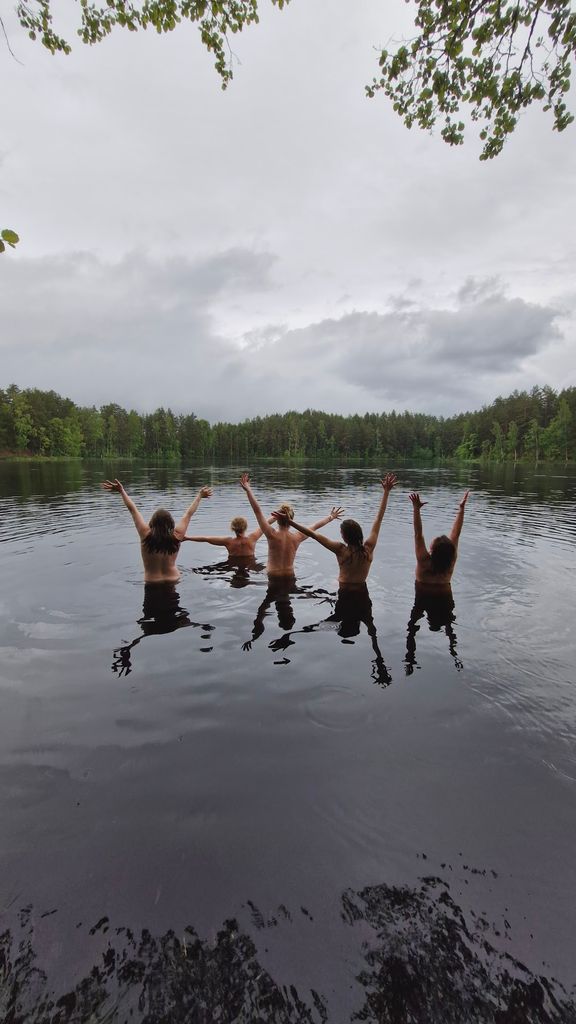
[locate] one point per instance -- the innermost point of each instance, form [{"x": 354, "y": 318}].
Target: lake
[{"x": 243, "y": 805}]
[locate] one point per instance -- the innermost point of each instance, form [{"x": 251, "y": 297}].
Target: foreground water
[{"x": 236, "y": 806}]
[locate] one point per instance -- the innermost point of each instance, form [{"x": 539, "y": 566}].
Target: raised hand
[
  {"x": 464, "y": 499},
  {"x": 205, "y": 492},
  {"x": 389, "y": 481},
  {"x": 245, "y": 481},
  {"x": 112, "y": 485},
  {"x": 416, "y": 500},
  {"x": 281, "y": 517},
  {"x": 337, "y": 512}
]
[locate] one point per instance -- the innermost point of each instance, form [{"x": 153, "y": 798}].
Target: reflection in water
[
  {"x": 428, "y": 963},
  {"x": 236, "y": 571},
  {"x": 161, "y": 613},
  {"x": 420, "y": 960},
  {"x": 280, "y": 592},
  {"x": 439, "y": 608},
  {"x": 353, "y": 608}
]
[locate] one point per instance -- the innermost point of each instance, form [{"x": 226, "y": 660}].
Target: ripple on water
[{"x": 341, "y": 708}]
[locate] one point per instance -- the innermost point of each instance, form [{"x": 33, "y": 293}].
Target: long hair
[
  {"x": 352, "y": 536},
  {"x": 442, "y": 554},
  {"x": 161, "y": 539}
]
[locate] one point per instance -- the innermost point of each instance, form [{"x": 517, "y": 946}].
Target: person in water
[
  {"x": 354, "y": 554},
  {"x": 160, "y": 539},
  {"x": 241, "y": 545},
  {"x": 434, "y": 567},
  {"x": 282, "y": 542}
]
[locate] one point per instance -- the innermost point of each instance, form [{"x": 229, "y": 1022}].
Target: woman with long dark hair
[
  {"x": 160, "y": 539},
  {"x": 434, "y": 567},
  {"x": 355, "y": 554}
]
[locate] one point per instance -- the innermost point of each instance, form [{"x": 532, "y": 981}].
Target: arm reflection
[
  {"x": 281, "y": 590},
  {"x": 438, "y": 606},
  {"x": 353, "y": 609},
  {"x": 161, "y": 613}
]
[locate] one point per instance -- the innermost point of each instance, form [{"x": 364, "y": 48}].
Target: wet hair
[
  {"x": 352, "y": 536},
  {"x": 287, "y": 510},
  {"x": 161, "y": 539},
  {"x": 442, "y": 554},
  {"x": 239, "y": 525}
]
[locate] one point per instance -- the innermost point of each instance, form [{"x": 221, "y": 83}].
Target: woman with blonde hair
[{"x": 241, "y": 545}]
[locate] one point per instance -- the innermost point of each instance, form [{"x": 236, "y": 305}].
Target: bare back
[
  {"x": 283, "y": 544},
  {"x": 242, "y": 546},
  {"x": 427, "y": 577},
  {"x": 159, "y": 567},
  {"x": 354, "y": 565}
]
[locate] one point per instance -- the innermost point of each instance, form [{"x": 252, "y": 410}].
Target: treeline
[{"x": 529, "y": 425}]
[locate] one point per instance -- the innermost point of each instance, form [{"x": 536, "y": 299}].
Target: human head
[
  {"x": 286, "y": 510},
  {"x": 161, "y": 521},
  {"x": 352, "y": 533},
  {"x": 442, "y": 553},
  {"x": 239, "y": 525},
  {"x": 161, "y": 539}
]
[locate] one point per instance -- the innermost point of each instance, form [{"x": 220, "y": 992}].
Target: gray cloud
[{"x": 145, "y": 332}]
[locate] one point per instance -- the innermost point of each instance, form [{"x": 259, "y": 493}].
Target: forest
[{"x": 531, "y": 426}]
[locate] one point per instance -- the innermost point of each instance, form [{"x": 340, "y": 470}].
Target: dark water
[{"x": 241, "y": 804}]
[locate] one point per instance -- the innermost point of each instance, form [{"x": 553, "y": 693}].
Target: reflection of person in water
[
  {"x": 434, "y": 567},
  {"x": 438, "y": 606},
  {"x": 280, "y": 592},
  {"x": 235, "y": 571},
  {"x": 353, "y": 608},
  {"x": 161, "y": 613},
  {"x": 160, "y": 539}
]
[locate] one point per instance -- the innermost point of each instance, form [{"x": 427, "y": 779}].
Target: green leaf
[{"x": 10, "y": 236}]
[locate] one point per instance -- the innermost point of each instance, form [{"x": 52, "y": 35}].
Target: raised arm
[
  {"x": 182, "y": 526},
  {"x": 336, "y": 513},
  {"x": 260, "y": 517},
  {"x": 139, "y": 521},
  {"x": 256, "y": 534},
  {"x": 388, "y": 483},
  {"x": 419, "y": 543},
  {"x": 459, "y": 521},
  {"x": 332, "y": 545}
]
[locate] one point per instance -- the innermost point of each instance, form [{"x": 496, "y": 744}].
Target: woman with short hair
[{"x": 241, "y": 545}]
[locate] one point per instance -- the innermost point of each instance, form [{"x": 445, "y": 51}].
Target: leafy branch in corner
[{"x": 495, "y": 57}]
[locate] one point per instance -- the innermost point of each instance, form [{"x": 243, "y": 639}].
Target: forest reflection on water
[
  {"x": 424, "y": 963},
  {"x": 232, "y": 800}
]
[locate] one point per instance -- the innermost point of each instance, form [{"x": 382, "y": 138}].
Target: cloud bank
[{"x": 144, "y": 333}]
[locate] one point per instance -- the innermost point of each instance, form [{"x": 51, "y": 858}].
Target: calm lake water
[{"x": 238, "y": 805}]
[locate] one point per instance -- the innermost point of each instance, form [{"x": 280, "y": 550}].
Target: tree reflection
[
  {"x": 161, "y": 613},
  {"x": 439, "y": 609},
  {"x": 422, "y": 960}
]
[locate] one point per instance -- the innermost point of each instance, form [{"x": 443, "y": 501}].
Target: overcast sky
[{"x": 281, "y": 245}]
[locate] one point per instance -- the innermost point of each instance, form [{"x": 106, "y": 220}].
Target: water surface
[{"x": 234, "y": 803}]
